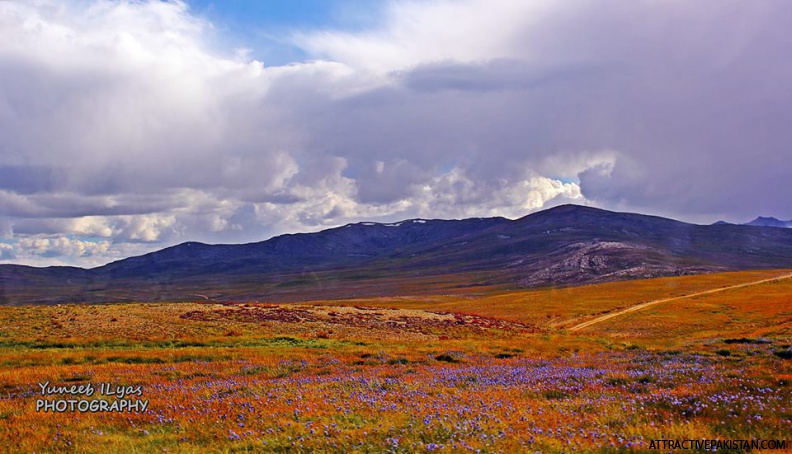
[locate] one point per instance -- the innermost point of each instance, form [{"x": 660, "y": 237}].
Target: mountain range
[
  {"x": 770, "y": 222},
  {"x": 762, "y": 221},
  {"x": 565, "y": 245}
]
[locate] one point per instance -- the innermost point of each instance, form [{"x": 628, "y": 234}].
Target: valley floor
[{"x": 495, "y": 373}]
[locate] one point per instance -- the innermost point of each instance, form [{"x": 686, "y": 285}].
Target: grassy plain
[{"x": 495, "y": 372}]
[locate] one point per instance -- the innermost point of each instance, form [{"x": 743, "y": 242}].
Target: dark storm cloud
[
  {"x": 689, "y": 98},
  {"x": 27, "y": 180},
  {"x": 71, "y": 205},
  {"x": 497, "y": 74},
  {"x": 389, "y": 181}
]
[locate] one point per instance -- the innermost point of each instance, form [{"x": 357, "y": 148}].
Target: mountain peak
[
  {"x": 566, "y": 210},
  {"x": 571, "y": 207},
  {"x": 763, "y": 221}
]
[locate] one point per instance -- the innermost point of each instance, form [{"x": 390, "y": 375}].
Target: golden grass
[
  {"x": 762, "y": 310},
  {"x": 562, "y": 307},
  {"x": 362, "y": 376}
]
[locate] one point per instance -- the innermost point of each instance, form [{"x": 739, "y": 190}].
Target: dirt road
[{"x": 638, "y": 307}]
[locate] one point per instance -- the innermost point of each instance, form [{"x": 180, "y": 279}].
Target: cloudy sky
[{"x": 128, "y": 126}]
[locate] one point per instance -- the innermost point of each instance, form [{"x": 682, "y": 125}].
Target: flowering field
[{"x": 305, "y": 378}]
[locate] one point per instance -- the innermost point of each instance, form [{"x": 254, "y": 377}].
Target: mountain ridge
[
  {"x": 564, "y": 245},
  {"x": 761, "y": 221}
]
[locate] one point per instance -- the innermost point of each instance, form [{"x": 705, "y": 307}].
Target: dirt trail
[{"x": 638, "y": 307}]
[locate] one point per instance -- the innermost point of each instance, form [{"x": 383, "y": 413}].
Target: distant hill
[
  {"x": 769, "y": 222},
  {"x": 762, "y": 222},
  {"x": 565, "y": 245}
]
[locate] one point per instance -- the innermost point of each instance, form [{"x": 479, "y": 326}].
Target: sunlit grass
[{"x": 563, "y": 306}]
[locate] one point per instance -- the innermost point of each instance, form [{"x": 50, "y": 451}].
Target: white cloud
[
  {"x": 456, "y": 194},
  {"x": 131, "y": 98},
  {"x": 44, "y": 250},
  {"x": 92, "y": 226},
  {"x": 60, "y": 246},
  {"x": 421, "y": 31},
  {"x": 147, "y": 228}
]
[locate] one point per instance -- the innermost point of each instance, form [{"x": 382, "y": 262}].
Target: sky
[{"x": 128, "y": 126}]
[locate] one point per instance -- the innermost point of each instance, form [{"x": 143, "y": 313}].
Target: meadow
[{"x": 483, "y": 372}]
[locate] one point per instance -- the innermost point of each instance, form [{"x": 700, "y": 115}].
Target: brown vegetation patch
[{"x": 329, "y": 318}]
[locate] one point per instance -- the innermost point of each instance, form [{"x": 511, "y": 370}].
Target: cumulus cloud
[
  {"x": 49, "y": 250},
  {"x": 460, "y": 195},
  {"x": 59, "y": 246},
  {"x": 127, "y": 123}
]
